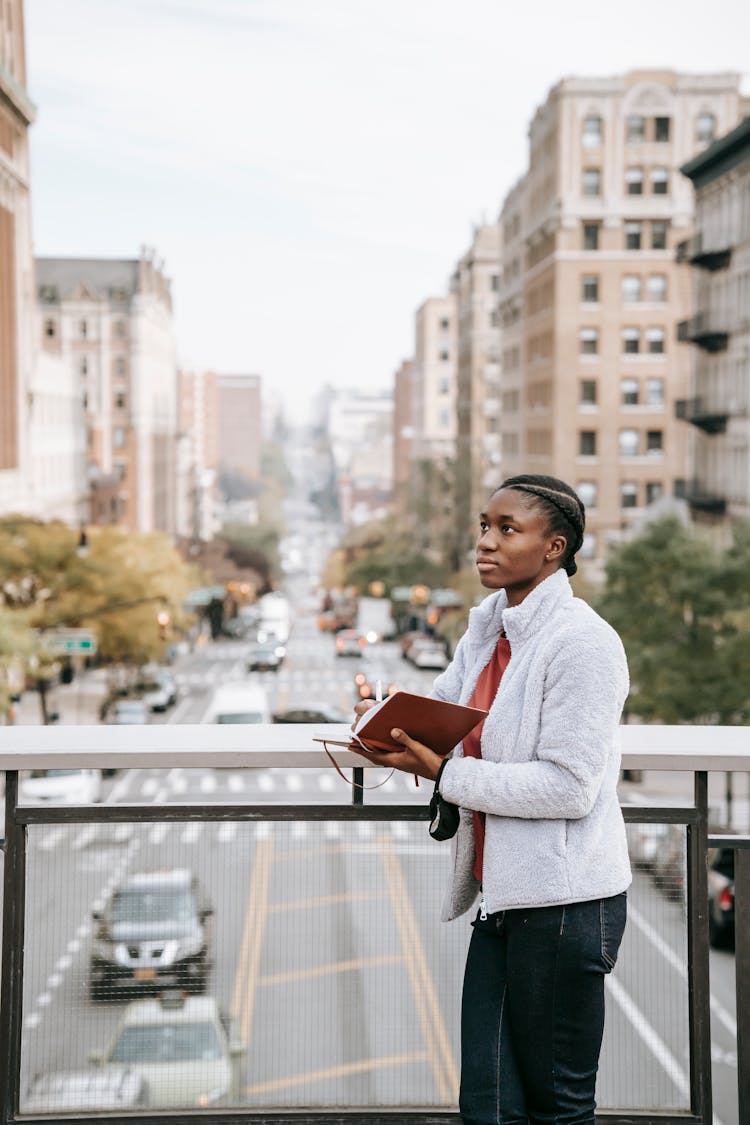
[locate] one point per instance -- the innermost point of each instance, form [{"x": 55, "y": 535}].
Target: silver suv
[{"x": 155, "y": 929}]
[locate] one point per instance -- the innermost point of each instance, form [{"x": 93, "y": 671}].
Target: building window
[
  {"x": 85, "y": 400},
  {"x": 494, "y": 282},
  {"x": 656, "y": 287},
  {"x": 120, "y": 328},
  {"x": 591, "y": 236},
  {"x": 635, "y": 129},
  {"x": 655, "y": 340},
  {"x": 629, "y": 390},
  {"x": 84, "y": 366},
  {"x": 120, "y": 400},
  {"x": 50, "y": 329},
  {"x": 659, "y": 181},
  {"x": 119, "y": 437},
  {"x": 633, "y": 235},
  {"x": 592, "y": 131},
  {"x": 659, "y": 235},
  {"x": 588, "y": 341},
  {"x": 592, "y": 181},
  {"x": 444, "y": 354},
  {"x": 445, "y": 385},
  {"x": 654, "y": 442},
  {"x": 631, "y": 288},
  {"x": 628, "y": 443},
  {"x": 655, "y": 392},
  {"x": 587, "y": 443},
  {"x": 586, "y": 490},
  {"x": 654, "y": 491},
  {"x": 445, "y": 419},
  {"x": 120, "y": 365},
  {"x": 634, "y": 181},
  {"x": 590, "y": 288},
  {"x": 631, "y": 341},
  {"x": 705, "y": 128},
  {"x": 587, "y": 392},
  {"x": 119, "y": 468},
  {"x": 588, "y": 547},
  {"x": 83, "y": 329},
  {"x": 628, "y": 494},
  {"x": 661, "y": 129},
  {"x": 445, "y": 323}
]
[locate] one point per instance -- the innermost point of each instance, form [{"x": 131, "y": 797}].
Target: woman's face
[{"x": 515, "y": 551}]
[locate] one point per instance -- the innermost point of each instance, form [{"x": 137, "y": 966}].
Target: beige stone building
[
  {"x": 198, "y": 516},
  {"x": 474, "y": 287},
  {"x": 240, "y": 424},
  {"x": 16, "y": 263},
  {"x": 718, "y": 405},
  {"x": 590, "y": 292},
  {"x": 110, "y": 321},
  {"x": 404, "y": 435}
]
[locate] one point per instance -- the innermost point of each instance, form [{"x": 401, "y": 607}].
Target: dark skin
[{"x": 515, "y": 552}]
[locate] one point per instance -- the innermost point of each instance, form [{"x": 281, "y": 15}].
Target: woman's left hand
[{"x": 414, "y": 758}]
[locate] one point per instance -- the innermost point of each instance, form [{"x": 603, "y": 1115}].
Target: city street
[{"x": 328, "y": 952}]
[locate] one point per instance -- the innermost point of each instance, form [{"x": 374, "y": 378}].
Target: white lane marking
[
  {"x": 52, "y": 839},
  {"x": 191, "y": 832},
  {"x": 326, "y": 783},
  {"x": 294, "y": 782},
  {"x": 74, "y": 945},
  {"x": 236, "y": 783},
  {"x": 208, "y": 783},
  {"x": 83, "y": 930},
  {"x": 653, "y": 1041},
  {"x": 121, "y": 786},
  {"x": 678, "y": 964},
  {"x": 178, "y": 783},
  {"x": 64, "y": 962},
  {"x": 33, "y": 1020},
  {"x": 227, "y": 831},
  {"x": 149, "y": 787},
  {"x": 266, "y": 784},
  {"x": 54, "y": 980},
  {"x": 158, "y": 832},
  {"x": 43, "y": 1000},
  {"x": 179, "y": 711}
]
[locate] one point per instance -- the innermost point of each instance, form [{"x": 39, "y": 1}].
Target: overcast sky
[{"x": 310, "y": 170}]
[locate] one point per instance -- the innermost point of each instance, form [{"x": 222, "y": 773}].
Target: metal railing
[{"x": 699, "y": 750}]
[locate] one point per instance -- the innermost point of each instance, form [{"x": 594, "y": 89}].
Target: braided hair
[{"x": 565, "y": 511}]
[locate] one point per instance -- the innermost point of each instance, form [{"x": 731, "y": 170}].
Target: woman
[{"x": 541, "y": 837}]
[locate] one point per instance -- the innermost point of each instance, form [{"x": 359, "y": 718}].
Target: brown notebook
[{"x": 434, "y": 722}]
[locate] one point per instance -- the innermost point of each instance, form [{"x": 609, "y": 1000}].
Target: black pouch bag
[{"x": 444, "y": 817}]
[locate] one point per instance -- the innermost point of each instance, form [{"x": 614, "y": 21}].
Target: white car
[
  {"x": 186, "y": 1049},
  {"x": 61, "y": 787},
  {"x": 427, "y": 654},
  {"x": 128, "y": 712}
]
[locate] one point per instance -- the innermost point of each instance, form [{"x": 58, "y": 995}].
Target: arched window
[
  {"x": 705, "y": 128},
  {"x": 592, "y": 131}
]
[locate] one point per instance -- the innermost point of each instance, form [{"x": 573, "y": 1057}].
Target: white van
[{"x": 239, "y": 702}]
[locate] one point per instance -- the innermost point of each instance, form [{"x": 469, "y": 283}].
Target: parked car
[
  {"x": 721, "y": 897},
  {"x": 350, "y": 643},
  {"x": 238, "y": 702},
  {"x": 61, "y": 787},
  {"x": 643, "y": 843},
  {"x": 186, "y": 1048},
  {"x": 312, "y": 713},
  {"x": 265, "y": 656},
  {"x": 155, "y": 928},
  {"x": 427, "y": 653},
  {"x": 669, "y": 868},
  {"x": 128, "y": 712},
  {"x": 63, "y": 1091},
  {"x": 407, "y": 639}
]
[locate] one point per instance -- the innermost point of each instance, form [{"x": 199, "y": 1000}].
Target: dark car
[
  {"x": 312, "y": 713},
  {"x": 721, "y": 897},
  {"x": 155, "y": 929}
]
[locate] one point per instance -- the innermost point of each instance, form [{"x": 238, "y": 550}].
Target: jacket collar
[{"x": 519, "y": 621}]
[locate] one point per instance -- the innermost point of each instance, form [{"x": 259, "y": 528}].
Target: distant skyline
[{"x": 310, "y": 173}]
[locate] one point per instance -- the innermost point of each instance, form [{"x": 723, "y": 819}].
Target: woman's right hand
[{"x": 360, "y": 708}]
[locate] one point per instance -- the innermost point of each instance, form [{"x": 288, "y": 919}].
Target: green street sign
[{"x": 71, "y": 642}]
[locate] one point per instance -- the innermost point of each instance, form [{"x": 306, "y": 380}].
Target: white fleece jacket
[{"x": 550, "y": 755}]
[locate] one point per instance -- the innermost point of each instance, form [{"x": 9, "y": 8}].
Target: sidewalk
[{"x": 76, "y": 703}]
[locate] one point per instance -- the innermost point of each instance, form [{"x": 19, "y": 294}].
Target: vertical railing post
[
  {"x": 699, "y": 991},
  {"x": 358, "y": 787},
  {"x": 742, "y": 970},
  {"x": 11, "y": 987}
]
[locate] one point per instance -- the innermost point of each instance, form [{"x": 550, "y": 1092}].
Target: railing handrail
[{"x": 644, "y": 746}]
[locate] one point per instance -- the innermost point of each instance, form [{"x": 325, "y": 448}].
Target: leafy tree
[
  {"x": 378, "y": 551},
  {"x": 254, "y": 547},
  {"x": 680, "y": 606}
]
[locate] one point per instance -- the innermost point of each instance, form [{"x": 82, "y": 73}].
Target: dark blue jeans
[{"x": 533, "y": 1012}]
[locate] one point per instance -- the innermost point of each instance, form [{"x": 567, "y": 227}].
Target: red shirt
[{"x": 484, "y": 696}]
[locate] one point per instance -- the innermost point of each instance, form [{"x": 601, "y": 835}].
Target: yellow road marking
[
  {"x": 423, "y": 988},
  {"x": 246, "y": 979},
  {"x": 330, "y": 969},
  {"x": 336, "y": 1072},
  {"x": 325, "y": 900}
]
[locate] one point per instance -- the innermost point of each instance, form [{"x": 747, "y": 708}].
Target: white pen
[{"x": 378, "y": 691}]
